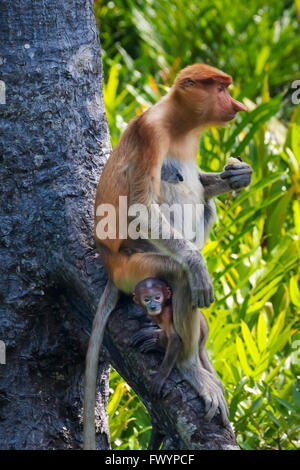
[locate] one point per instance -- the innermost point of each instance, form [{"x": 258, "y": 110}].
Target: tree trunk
[
  {"x": 53, "y": 146},
  {"x": 54, "y": 143}
]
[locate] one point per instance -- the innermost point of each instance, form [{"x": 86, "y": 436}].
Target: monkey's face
[
  {"x": 203, "y": 91},
  {"x": 225, "y": 107},
  {"x": 211, "y": 102},
  {"x": 152, "y": 294},
  {"x": 150, "y": 298},
  {"x": 152, "y": 302}
]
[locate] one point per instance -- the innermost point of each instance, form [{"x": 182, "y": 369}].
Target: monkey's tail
[{"x": 106, "y": 305}]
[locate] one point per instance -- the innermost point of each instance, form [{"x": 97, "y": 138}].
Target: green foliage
[
  {"x": 254, "y": 250},
  {"x": 129, "y": 422}
]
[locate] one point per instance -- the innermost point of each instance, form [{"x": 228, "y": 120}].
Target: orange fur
[
  {"x": 173, "y": 126},
  {"x": 170, "y": 129},
  {"x": 202, "y": 72}
]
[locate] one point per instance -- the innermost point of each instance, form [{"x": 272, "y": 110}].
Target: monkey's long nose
[{"x": 237, "y": 106}]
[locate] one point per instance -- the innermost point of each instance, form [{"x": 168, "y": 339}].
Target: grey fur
[{"x": 171, "y": 171}]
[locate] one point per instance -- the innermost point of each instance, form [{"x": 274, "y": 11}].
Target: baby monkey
[{"x": 154, "y": 296}]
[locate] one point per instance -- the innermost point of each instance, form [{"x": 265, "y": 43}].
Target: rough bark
[{"x": 54, "y": 142}]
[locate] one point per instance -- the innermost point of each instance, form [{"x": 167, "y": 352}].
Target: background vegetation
[{"x": 253, "y": 254}]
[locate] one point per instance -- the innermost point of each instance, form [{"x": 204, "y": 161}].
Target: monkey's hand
[
  {"x": 148, "y": 339},
  {"x": 199, "y": 280},
  {"x": 238, "y": 175}
]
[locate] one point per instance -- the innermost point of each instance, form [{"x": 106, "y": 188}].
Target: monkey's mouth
[
  {"x": 154, "y": 312},
  {"x": 230, "y": 117}
]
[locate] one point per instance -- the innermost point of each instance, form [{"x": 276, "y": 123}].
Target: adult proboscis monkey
[{"x": 154, "y": 163}]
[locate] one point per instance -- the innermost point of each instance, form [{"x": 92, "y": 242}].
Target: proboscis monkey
[
  {"x": 154, "y": 163},
  {"x": 154, "y": 296}
]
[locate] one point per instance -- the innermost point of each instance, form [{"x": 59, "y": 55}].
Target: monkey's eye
[
  {"x": 146, "y": 300},
  {"x": 188, "y": 82},
  {"x": 221, "y": 87},
  {"x": 157, "y": 297}
]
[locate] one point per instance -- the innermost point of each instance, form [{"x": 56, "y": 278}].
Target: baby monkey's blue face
[
  {"x": 152, "y": 301},
  {"x": 153, "y": 295}
]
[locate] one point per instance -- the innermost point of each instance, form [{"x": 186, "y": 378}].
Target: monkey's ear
[
  {"x": 135, "y": 299},
  {"x": 187, "y": 83},
  {"x": 168, "y": 292}
]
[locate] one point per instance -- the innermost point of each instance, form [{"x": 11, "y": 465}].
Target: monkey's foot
[
  {"x": 208, "y": 388},
  {"x": 157, "y": 385},
  {"x": 147, "y": 339},
  {"x": 213, "y": 396},
  {"x": 207, "y": 366},
  {"x": 217, "y": 381}
]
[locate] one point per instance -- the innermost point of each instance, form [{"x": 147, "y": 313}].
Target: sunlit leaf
[
  {"x": 261, "y": 332},
  {"x": 294, "y": 290},
  {"x": 242, "y": 356},
  {"x": 250, "y": 343}
]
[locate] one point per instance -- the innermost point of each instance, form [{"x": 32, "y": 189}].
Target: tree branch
[{"x": 179, "y": 415}]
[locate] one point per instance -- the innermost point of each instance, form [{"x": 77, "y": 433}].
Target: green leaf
[
  {"x": 110, "y": 89},
  {"x": 250, "y": 343},
  {"x": 278, "y": 326},
  {"x": 236, "y": 399},
  {"x": 262, "y": 291},
  {"x": 277, "y": 218},
  {"x": 254, "y": 189},
  {"x": 295, "y": 141},
  {"x": 261, "y": 332},
  {"x": 261, "y": 303},
  {"x": 242, "y": 356},
  {"x": 116, "y": 398},
  {"x": 279, "y": 342},
  {"x": 262, "y": 366},
  {"x": 255, "y": 118},
  {"x": 268, "y": 379},
  {"x": 261, "y": 59},
  {"x": 275, "y": 420},
  {"x": 256, "y": 404},
  {"x": 294, "y": 290},
  {"x": 296, "y": 212},
  {"x": 296, "y": 392},
  {"x": 285, "y": 403}
]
